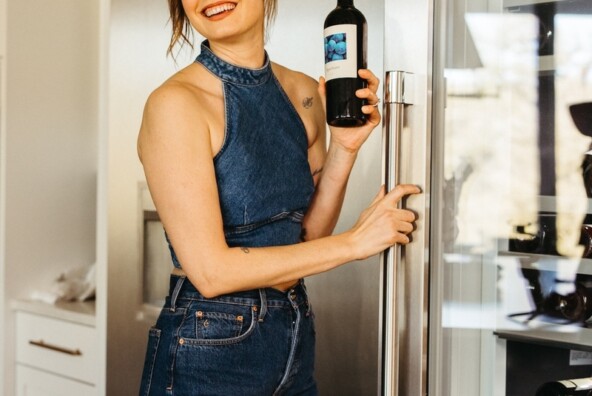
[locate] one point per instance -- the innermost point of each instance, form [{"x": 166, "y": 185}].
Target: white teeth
[{"x": 219, "y": 9}]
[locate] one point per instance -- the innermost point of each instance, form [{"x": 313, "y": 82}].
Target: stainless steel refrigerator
[{"x": 487, "y": 108}]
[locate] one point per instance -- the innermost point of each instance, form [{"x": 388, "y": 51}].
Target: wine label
[{"x": 341, "y": 52}]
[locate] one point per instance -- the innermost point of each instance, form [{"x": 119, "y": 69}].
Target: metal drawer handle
[{"x": 42, "y": 344}]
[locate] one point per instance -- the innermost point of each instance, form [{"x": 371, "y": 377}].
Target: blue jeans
[{"x": 258, "y": 343}]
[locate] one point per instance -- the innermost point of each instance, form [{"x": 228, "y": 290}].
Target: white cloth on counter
[{"x": 75, "y": 284}]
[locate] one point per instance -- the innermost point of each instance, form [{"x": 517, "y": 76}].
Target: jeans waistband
[{"x": 182, "y": 289}]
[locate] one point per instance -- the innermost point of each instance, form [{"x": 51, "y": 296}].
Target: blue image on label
[{"x": 335, "y": 47}]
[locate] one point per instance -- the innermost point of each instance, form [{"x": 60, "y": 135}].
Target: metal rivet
[
  {"x": 181, "y": 341},
  {"x": 199, "y": 314},
  {"x": 254, "y": 308},
  {"x": 239, "y": 318}
]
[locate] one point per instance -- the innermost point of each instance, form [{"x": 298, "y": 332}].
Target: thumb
[
  {"x": 380, "y": 195},
  {"x": 322, "y": 89}
]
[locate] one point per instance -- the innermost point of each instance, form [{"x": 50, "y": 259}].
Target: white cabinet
[
  {"x": 57, "y": 346},
  {"x": 56, "y": 355},
  {"x": 33, "y": 382}
]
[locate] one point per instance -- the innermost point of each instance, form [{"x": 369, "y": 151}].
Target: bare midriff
[{"x": 285, "y": 286}]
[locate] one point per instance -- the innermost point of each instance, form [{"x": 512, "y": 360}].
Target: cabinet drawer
[
  {"x": 57, "y": 346},
  {"x": 31, "y": 382}
]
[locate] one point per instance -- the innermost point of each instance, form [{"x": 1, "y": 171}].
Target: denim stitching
[
  {"x": 246, "y": 77},
  {"x": 223, "y": 341},
  {"x": 154, "y": 332},
  {"x": 295, "y": 216},
  {"x": 226, "y": 141},
  {"x": 295, "y": 337}
]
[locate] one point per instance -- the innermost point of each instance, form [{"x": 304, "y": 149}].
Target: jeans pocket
[
  {"x": 221, "y": 324},
  {"x": 217, "y": 325},
  {"x": 149, "y": 361}
]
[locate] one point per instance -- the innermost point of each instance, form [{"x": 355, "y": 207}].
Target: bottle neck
[{"x": 345, "y": 3}]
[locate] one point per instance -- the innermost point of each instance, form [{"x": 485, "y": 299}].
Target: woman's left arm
[{"x": 332, "y": 167}]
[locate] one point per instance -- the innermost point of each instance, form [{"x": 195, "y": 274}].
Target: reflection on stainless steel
[
  {"x": 491, "y": 127},
  {"x": 543, "y": 239},
  {"x": 572, "y": 305},
  {"x": 581, "y": 113},
  {"x": 573, "y": 84},
  {"x": 508, "y": 119},
  {"x": 586, "y": 240}
]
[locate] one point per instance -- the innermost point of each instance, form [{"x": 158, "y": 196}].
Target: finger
[
  {"x": 371, "y": 108},
  {"x": 401, "y": 191},
  {"x": 406, "y": 215},
  {"x": 406, "y": 221},
  {"x": 373, "y": 81},
  {"x": 405, "y": 227},
  {"x": 371, "y": 97},
  {"x": 402, "y": 239}
]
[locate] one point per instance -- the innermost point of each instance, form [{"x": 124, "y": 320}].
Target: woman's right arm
[{"x": 175, "y": 149}]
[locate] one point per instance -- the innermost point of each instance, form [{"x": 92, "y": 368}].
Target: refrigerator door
[
  {"x": 406, "y": 141},
  {"x": 345, "y": 301},
  {"x": 509, "y": 257}
]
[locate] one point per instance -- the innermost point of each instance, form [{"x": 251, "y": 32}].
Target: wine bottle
[
  {"x": 572, "y": 387},
  {"x": 345, "y": 53},
  {"x": 573, "y": 307}
]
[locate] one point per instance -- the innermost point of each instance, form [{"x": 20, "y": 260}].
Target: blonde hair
[{"x": 181, "y": 28}]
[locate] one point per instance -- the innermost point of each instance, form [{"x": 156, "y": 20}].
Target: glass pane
[{"x": 515, "y": 185}]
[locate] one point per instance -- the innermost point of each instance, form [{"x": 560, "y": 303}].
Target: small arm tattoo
[
  {"x": 245, "y": 250},
  {"x": 307, "y": 103}
]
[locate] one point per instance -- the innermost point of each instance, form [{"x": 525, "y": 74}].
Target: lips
[{"x": 218, "y": 8}]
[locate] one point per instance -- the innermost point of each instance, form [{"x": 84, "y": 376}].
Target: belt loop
[
  {"x": 263, "y": 297},
  {"x": 175, "y": 294}
]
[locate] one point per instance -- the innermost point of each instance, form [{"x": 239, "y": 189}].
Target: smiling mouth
[{"x": 218, "y": 9}]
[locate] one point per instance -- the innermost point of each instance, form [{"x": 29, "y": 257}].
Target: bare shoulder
[
  {"x": 178, "y": 109},
  {"x": 295, "y": 80},
  {"x": 176, "y": 95}
]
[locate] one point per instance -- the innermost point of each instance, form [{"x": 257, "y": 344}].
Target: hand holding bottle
[
  {"x": 352, "y": 138},
  {"x": 382, "y": 224}
]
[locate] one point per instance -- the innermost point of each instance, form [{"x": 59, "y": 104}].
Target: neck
[
  {"x": 247, "y": 56},
  {"x": 345, "y": 3},
  {"x": 246, "y": 51}
]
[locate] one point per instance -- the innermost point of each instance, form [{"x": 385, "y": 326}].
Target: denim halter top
[{"x": 262, "y": 171}]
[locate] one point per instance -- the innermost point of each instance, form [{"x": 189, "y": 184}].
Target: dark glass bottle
[
  {"x": 574, "y": 307},
  {"x": 572, "y": 387},
  {"x": 345, "y": 53}
]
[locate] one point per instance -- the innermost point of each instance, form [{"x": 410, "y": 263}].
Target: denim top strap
[{"x": 262, "y": 171}]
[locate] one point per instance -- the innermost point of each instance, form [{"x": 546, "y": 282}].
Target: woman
[{"x": 233, "y": 148}]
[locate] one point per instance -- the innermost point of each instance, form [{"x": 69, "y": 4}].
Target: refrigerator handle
[{"x": 398, "y": 92}]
